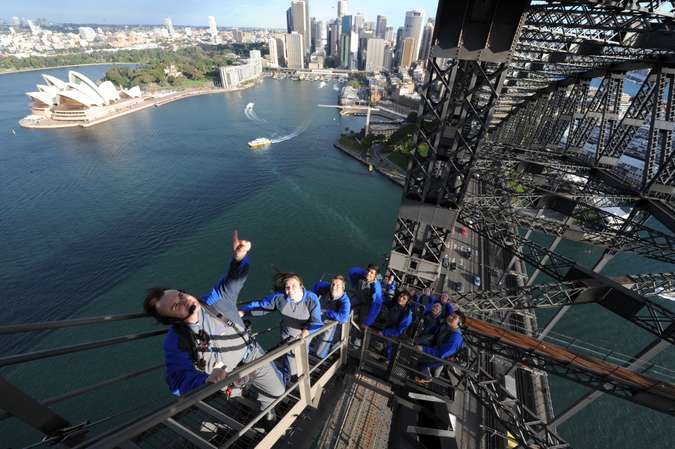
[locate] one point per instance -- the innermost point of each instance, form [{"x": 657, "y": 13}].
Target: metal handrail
[
  {"x": 300, "y": 346},
  {"x": 37, "y": 355},
  {"x": 59, "y": 324}
]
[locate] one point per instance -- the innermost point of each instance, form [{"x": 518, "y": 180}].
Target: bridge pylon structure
[{"x": 545, "y": 122}]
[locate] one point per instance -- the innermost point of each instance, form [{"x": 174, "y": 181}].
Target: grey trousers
[{"x": 267, "y": 379}]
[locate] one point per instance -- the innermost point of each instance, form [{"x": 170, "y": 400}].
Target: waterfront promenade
[
  {"x": 124, "y": 108},
  {"x": 380, "y": 163}
]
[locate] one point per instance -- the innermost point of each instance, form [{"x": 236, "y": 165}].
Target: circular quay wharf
[{"x": 524, "y": 210}]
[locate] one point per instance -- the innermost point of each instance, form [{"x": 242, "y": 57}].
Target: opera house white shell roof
[{"x": 79, "y": 90}]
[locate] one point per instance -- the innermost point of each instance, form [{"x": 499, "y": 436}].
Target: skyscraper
[
  {"x": 333, "y": 38},
  {"x": 295, "y": 49},
  {"x": 289, "y": 20},
  {"x": 349, "y": 45},
  {"x": 301, "y": 22},
  {"x": 169, "y": 26},
  {"x": 347, "y": 24},
  {"x": 427, "y": 35},
  {"x": 375, "y": 55},
  {"x": 343, "y": 6},
  {"x": 381, "y": 27},
  {"x": 358, "y": 22},
  {"x": 389, "y": 35},
  {"x": 281, "y": 51},
  {"x": 319, "y": 35},
  {"x": 412, "y": 28},
  {"x": 274, "y": 57},
  {"x": 399, "y": 44},
  {"x": 407, "y": 53},
  {"x": 213, "y": 29}
]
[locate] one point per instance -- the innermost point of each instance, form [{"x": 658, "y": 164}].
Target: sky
[{"x": 242, "y": 13}]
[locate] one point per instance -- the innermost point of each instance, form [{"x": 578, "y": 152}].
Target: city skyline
[{"x": 253, "y": 14}]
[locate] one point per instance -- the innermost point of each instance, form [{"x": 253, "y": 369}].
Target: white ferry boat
[{"x": 260, "y": 142}]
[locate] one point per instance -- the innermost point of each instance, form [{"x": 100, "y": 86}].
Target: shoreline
[
  {"x": 397, "y": 178},
  {"x": 135, "y": 107},
  {"x": 67, "y": 66}
]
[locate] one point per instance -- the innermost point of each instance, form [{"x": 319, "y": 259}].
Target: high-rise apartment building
[
  {"x": 412, "y": 28},
  {"x": 169, "y": 26},
  {"x": 375, "y": 55},
  {"x": 342, "y": 8},
  {"x": 295, "y": 50},
  {"x": 407, "y": 53},
  {"x": 274, "y": 57},
  {"x": 347, "y": 24},
  {"x": 213, "y": 29},
  {"x": 381, "y": 27}
]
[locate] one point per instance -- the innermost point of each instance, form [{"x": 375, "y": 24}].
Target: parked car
[
  {"x": 476, "y": 281},
  {"x": 459, "y": 287},
  {"x": 464, "y": 231}
]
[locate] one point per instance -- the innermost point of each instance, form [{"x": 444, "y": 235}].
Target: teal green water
[{"x": 90, "y": 218}]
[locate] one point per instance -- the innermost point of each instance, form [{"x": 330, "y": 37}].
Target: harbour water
[{"x": 90, "y": 218}]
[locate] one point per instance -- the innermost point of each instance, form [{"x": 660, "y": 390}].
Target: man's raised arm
[{"x": 229, "y": 286}]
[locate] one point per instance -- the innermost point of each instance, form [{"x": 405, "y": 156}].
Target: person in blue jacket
[
  {"x": 336, "y": 306},
  {"x": 431, "y": 324},
  {"x": 425, "y": 299},
  {"x": 366, "y": 294},
  {"x": 207, "y": 339},
  {"x": 446, "y": 344},
  {"x": 300, "y": 313},
  {"x": 397, "y": 316},
  {"x": 389, "y": 286},
  {"x": 444, "y": 301}
]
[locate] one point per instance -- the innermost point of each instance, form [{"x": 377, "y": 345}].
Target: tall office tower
[
  {"x": 213, "y": 29},
  {"x": 347, "y": 24},
  {"x": 343, "y": 6},
  {"x": 301, "y": 22},
  {"x": 169, "y": 26},
  {"x": 334, "y": 38},
  {"x": 412, "y": 27},
  {"x": 349, "y": 44},
  {"x": 407, "y": 53},
  {"x": 388, "y": 60},
  {"x": 381, "y": 27},
  {"x": 274, "y": 57},
  {"x": 296, "y": 50},
  {"x": 289, "y": 20},
  {"x": 389, "y": 35},
  {"x": 375, "y": 55},
  {"x": 427, "y": 35},
  {"x": 319, "y": 35},
  {"x": 281, "y": 50},
  {"x": 399, "y": 44},
  {"x": 358, "y": 22},
  {"x": 34, "y": 29},
  {"x": 363, "y": 47}
]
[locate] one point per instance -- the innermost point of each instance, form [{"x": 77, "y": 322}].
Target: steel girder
[
  {"x": 586, "y": 371},
  {"x": 641, "y": 311},
  {"x": 582, "y": 291}
]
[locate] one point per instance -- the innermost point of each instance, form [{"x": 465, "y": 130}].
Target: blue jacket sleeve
[
  {"x": 181, "y": 376},
  {"x": 376, "y": 306},
  {"x": 355, "y": 274},
  {"x": 315, "y": 321},
  {"x": 228, "y": 287},
  {"x": 260, "y": 307},
  {"x": 321, "y": 287},
  {"x": 342, "y": 314},
  {"x": 402, "y": 326},
  {"x": 448, "y": 348}
]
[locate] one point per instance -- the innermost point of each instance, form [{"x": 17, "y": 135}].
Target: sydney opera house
[{"x": 79, "y": 99}]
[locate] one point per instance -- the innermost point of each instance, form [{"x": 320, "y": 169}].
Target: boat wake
[
  {"x": 296, "y": 132},
  {"x": 251, "y": 115}
]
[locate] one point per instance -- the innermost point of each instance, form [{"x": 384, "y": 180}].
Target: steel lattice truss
[{"x": 533, "y": 136}]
